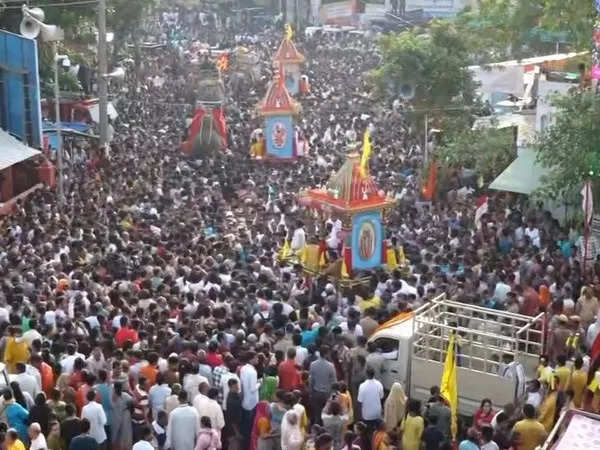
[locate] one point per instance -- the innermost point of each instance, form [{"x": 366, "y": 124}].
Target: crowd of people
[{"x": 149, "y": 309}]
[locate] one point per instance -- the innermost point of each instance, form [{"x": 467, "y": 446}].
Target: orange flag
[{"x": 429, "y": 187}]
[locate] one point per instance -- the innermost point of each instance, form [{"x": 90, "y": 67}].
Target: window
[{"x": 387, "y": 345}]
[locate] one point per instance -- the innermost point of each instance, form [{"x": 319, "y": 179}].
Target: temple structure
[
  {"x": 352, "y": 196},
  {"x": 290, "y": 59},
  {"x": 278, "y": 109}
]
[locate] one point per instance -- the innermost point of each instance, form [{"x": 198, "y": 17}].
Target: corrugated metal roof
[{"x": 13, "y": 151}]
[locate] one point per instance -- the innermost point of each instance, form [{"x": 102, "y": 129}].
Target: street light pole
[
  {"x": 102, "y": 69},
  {"x": 57, "y": 121}
]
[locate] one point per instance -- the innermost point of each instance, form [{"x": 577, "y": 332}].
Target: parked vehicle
[{"x": 415, "y": 349}]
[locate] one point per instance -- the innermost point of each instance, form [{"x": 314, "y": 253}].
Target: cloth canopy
[
  {"x": 95, "y": 112},
  {"x": 13, "y": 151},
  {"x": 523, "y": 175}
]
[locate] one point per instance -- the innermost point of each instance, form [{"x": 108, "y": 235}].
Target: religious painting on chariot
[
  {"x": 280, "y": 136},
  {"x": 367, "y": 239},
  {"x": 292, "y": 78}
]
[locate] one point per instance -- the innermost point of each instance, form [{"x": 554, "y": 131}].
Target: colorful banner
[
  {"x": 280, "y": 135},
  {"x": 367, "y": 240}
]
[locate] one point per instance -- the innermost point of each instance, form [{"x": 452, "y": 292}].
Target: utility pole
[
  {"x": 102, "y": 71},
  {"x": 59, "y": 143}
]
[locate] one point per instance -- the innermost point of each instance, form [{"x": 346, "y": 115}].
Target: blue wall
[
  {"x": 19, "y": 57},
  {"x": 366, "y": 225},
  {"x": 285, "y": 147}
]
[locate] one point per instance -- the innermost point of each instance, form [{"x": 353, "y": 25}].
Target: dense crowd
[{"x": 150, "y": 311}]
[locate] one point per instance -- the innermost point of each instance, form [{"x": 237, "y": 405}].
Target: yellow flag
[
  {"x": 401, "y": 256},
  {"x": 303, "y": 255},
  {"x": 366, "y": 154},
  {"x": 448, "y": 386},
  {"x": 593, "y": 386},
  {"x": 390, "y": 255},
  {"x": 284, "y": 252},
  {"x": 344, "y": 270},
  {"x": 322, "y": 260},
  {"x": 289, "y": 32}
]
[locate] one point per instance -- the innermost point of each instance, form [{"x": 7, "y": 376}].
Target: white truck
[{"x": 415, "y": 349}]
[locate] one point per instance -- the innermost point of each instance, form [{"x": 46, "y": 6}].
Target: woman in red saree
[{"x": 261, "y": 438}]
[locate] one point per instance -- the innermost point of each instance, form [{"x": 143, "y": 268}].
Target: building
[{"x": 20, "y": 117}]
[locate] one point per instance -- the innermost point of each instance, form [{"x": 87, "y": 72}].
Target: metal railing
[{"x": 484, "y": 335}]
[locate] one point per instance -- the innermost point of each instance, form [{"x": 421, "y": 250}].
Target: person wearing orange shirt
[
  {"x": 84, "y": 388},
  {"x": 545, "y": 295},
  {"x": 46, "y": 373},
  {"x": 150, "y": 371},
  {"x": 76, "y": 378}
]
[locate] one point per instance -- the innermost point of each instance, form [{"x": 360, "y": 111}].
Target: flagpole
[{"x": 586, "y": 231}]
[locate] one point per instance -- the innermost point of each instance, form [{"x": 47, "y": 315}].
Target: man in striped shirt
[{"x": 140, "y": 408}]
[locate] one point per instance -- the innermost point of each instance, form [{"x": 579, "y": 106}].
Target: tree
[
  {"x": 487, "y": 150},
  {"x": 569, "y": 148},
  {"x": 434, "y": 62},
  {"x": 508, "y": 29},
  {"x": 123, "y": 19},
  {"x": 69, "y": 18}
]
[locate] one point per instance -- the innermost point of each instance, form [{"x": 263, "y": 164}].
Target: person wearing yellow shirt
[
  {"x": 578, "y": 382},
  {"x": 12, "y": 440},
  {"x": 529, "y": 432},
  {"x": 562, "y": 373},
  {"x": 412, "y": 427},
  {"x": 373, "y": 302},
  {"x": 547, "y": 412},
  {"x": 16, "y": 350}
]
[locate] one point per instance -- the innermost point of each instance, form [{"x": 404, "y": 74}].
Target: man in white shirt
[
  {"x": 370, "y": 394},
  {"x": 38, "y": 441},
  {"x": 207, "y": 405},
  {"x": 94, "y": 412},
  {"x": 301, "y": 352},
  {"x": 67, "y": 362},
  {"x": 250, "y": 386},
  {"x": 298, "y": 238},
  {"x": 225, "y": 387},
  {"x": 145, "y": 443},
  {"x": 192, "y": 382},
  {"x": 96, "y": 361},
  {"x": 184, "y": 425},
  {"x": 27, "y": 382},
  {"x": 533, "y": 234},
  {"x": 32, "y": 334}
]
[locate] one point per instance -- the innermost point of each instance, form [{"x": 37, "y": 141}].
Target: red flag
[
  {"x": 595, "y": 352},
  {"x": 219, "y": 119},
  {"x": 482, "y": 208},
  {"x": 348, "y": 259},
  {"x": 196, "y": 124}
]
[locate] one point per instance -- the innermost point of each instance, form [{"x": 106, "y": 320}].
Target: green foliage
[
  {"x": 123, "y": 19},
  {"x": 487, "y": 150},
  {"x": 436, "y": 63},
  {"x": 508, "y": 29},
  {"x": 569, "y": 148}
]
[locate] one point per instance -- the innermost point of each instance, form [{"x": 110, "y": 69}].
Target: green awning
[{"x": 523, "y": 175}]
